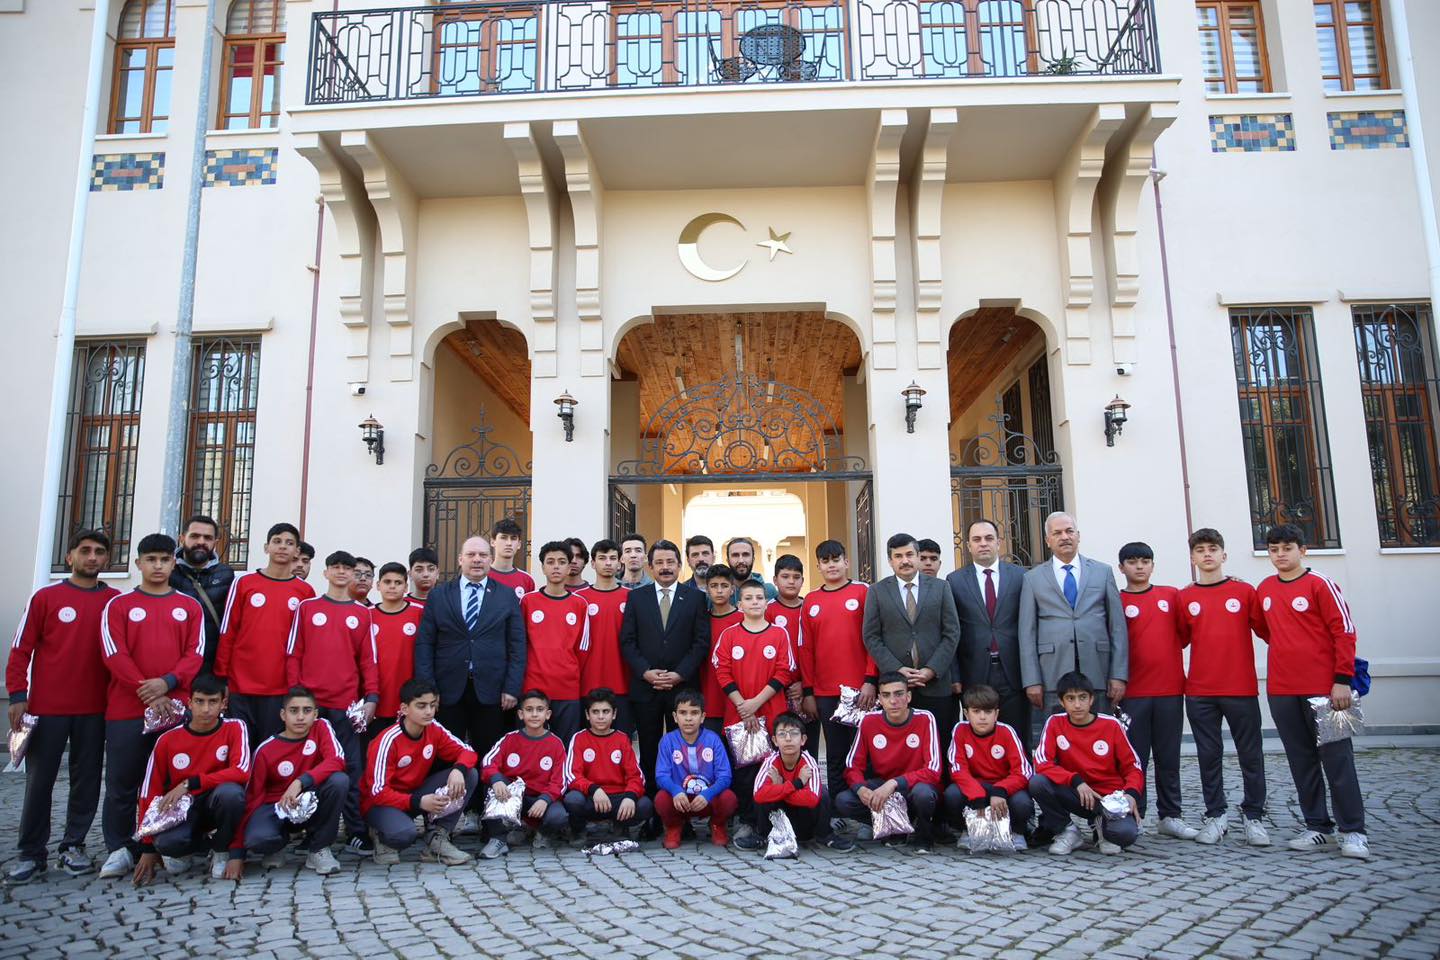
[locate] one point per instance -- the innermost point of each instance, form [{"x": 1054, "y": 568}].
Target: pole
[
  {"x": 1405, "y": 62},
  {"x": 45, "y": 540},
  {"x": 179, "y": 425}
]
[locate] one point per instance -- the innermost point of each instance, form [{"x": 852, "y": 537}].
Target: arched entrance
[
  {"x": 1003, "y": 463},
  {"x": 753, "y": 400}
]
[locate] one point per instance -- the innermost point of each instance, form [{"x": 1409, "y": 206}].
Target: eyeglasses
[{"x": 789, "y": 734}]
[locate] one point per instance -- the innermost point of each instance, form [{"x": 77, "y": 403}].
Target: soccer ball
[{"x": 695, "y": 785}]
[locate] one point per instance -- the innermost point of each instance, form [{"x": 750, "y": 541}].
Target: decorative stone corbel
[
  {"x": 927, "y": 196},
  {"x": 587, "y": 196},
  {"x": 881, "y": 186},
  {"x": 538, "y": 193}
]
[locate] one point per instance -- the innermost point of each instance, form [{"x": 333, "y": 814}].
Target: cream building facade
[{"x": 734, "y": 235}]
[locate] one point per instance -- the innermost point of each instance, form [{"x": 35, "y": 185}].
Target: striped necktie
[{"x": 472, "y": 604}]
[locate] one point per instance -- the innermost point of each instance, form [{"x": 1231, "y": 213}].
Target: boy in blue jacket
[{"x": 693, "y": 773}]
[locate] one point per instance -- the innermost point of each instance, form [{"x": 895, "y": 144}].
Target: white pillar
[
  {"x": 568, "y": 492},
  {"x": 912, "y": 470}
]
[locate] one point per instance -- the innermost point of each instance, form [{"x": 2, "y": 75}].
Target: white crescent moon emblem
[{"x": 689, "y": 248}]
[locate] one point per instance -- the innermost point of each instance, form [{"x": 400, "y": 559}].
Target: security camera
[
  {"x": 357, "y": 389},
  {"x": 1123, "y": 369}
]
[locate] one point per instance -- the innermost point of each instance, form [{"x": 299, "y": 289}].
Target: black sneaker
[
  {"x": 920, "y": 846},
  {"x": 359, "y": 847},
  {"x": 750, "y": 841},
  {"x": 839, "y": 843},
  {"x": 650, "y": 829}
]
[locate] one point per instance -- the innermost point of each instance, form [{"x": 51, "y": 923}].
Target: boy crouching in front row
[
  {"x": 406, "y": 765},
  {"x": 1083, "y": 757},
  {"x": 537, "y": 757},
  {"x": 790, "y": 781},
  {"x": 988, "y": 767},
  {"x": 602, "y": 777}
]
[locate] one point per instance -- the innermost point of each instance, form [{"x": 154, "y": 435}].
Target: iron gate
[
  {"x": 1008, "y": 478},
  {"x": 475, "y": 485}
]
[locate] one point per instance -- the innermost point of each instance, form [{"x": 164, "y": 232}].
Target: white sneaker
[
  {"x": 495, "y": 848},
  {"x": 322, "y": 861},
  {"x": 1354, "y": 845},
  {"x": 119, "y": 864},
  {"x": 1213, "y": 829},
  {"x": 1308, "y": 841},
  {"x": 175, "y": 865},
  {"x": 468, "y": 823},
  {"x": 1103, "y": 843},
  {"x": 1066, "y": 841},
  {"x": 1255, "y": 834},
  {"x": 1018, "y": 843},
  {"x": 218, "y": 863},
  {"x": 1177, "y": 828}
]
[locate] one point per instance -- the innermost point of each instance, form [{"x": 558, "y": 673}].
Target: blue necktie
[
  {"x": 1071, "y": 590},
  {"x": 472, "y": 605}
]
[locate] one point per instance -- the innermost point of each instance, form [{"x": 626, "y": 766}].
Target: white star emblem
[{"x": 776, "y": 243}]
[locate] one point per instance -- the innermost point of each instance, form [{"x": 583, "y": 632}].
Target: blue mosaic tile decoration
[
  {"x": 240, "y": 168},
  {"x": 1252, "y": 133},
  {"x": 111, "y": 172},
  {"x": 1368, "y": 130}
]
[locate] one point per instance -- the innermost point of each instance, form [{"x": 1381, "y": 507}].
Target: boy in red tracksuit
[
  {"x": 1312, "y": 654},
  {"x": 834, "y": 654},
  {"x": 536, "y": 756},
  {"x": 57, "y": 674},
  {"x": 405, "y": 767},
  {"x": 601, "y": 663},
  {"x": 209, "y": 759},
  {"x": 1155, "y": 695},
  {"x": 789, "y": 780},
  {"x": 720, "y": 588},
  {"x": 305, "y": 756},
  {"x": 787, "y": 611},
  {"x": 1082, "y": 758},
  {"x": 153, "y": 642},
  {"x": 895, "y": 751},
  {"x": 332, "y": 653},
  {"x": 557, "y": 634},
  {"x": 602, "y": 778},
  {"x": 254, "y": 630},
  {"x": 394, "y": 621},
  {"x": 1218, "y": 614},
  {"x": 989, "y": 766}
]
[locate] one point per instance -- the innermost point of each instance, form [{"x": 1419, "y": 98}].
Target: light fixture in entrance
[
  {"x": 1114, "y": 419},
  {"x": 912, "y": 395},
  {"x": 374, "y": 436},
  {"x": 566, "y": 413}
]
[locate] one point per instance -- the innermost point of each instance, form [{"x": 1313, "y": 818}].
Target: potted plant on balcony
[{"x": 1061, "y": 66}]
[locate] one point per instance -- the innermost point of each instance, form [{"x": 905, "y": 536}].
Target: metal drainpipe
[
  {"x": 65, "y": 332},
  {"x": 1156, "y": 176}
]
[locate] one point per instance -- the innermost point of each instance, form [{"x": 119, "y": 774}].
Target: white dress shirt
[
  {"x": 1058, "y": 566},
  {"x": 901, "y": 583},
  {"x": 980, "y": 577}
]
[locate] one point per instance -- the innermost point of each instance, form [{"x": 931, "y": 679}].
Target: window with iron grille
[
  {"x": 1042, "y": 420},
  {"x": 1282, "y": 423},
  {"x": 144, "y": 67},
  {"x": 254, "y": 54},
  {"x": 1395, "y": 347},
  {"x": 102, "y": 431},
  {"x": 220, "y": 468},
  {"x": 1352, "y": 44},
  {"x": 1232, "y": 46}
]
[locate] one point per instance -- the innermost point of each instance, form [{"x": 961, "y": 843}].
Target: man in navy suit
[
  {"x": 987, "y": 598},
  {"x": 471, "y": 642},
  {"x": 664, "y": 636}
]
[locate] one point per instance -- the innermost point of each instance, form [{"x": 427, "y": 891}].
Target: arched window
[
  {"x": 144, "y": 62},
  {"x": 254, "y": 53}
]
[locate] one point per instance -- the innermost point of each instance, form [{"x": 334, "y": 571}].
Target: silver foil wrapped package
[
  {"x": 452, "y": 804},
  {"x": 892, "y": 819},
  {"x": 1116, "y": 805},
  {"x": 1332, "y": 725},
  {"x": 611, "y": 848},
  {"x": 164, "y": 714},
  {"x": 157, "y": 820},
  {"x": 1118, "y": 712},
  {"x": 986, "y": 832},
  {"x": 746, "y": 747},
  {"x": 356, "y": 713},
  {"x": 783, "y": 844},
  {"x": 302, "y": 809},
  {"x": 848, "y": 712},
  {"x": 20, "y": 742},
  {"x": 506, "y": 811}
]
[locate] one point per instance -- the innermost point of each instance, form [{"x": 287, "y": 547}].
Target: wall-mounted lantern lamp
[
  {"x": 912, "y": 395},
  {"x": 374, "y": 435},
  {"x": 566, "y": 413},
  {"x": 1114, "y": 419}
]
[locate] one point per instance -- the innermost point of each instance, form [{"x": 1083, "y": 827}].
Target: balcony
[{"x": 580, "y": 46}]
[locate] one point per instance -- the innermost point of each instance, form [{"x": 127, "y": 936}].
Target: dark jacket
[
  {"x": 972, "y": 655},
  {"x": 889, "y": 636},
  {"x": 492, "y": 656},
  {"x": 681, "y": 645},
  {"x": 214, "y": 581}
]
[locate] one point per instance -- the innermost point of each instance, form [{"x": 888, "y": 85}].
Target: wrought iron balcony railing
[{"x": 566, "y": 46}]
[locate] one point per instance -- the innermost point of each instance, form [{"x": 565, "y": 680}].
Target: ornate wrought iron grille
[
  {"x": 221, "y": 453},
  {"x": 475, "y": 485},
  {"x": 563, "y": 46},
  {"x": 622, "y": 514},
  {"x": 865, "y": 533},
  {"x": 1008, "y": 478},
  {"x": 1282, "y": 423},
  {"x": 1395, "y": 347},
  {"x": 103, "y": 438}
]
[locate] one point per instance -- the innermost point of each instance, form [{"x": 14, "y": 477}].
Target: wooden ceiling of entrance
[
  {"x": 982, "y": 345},
  {"x": 801, "y": 348},
  {"x": 498, "y": 356}
]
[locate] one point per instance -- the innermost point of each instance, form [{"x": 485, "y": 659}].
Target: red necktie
[{"x": 990, "y": 601}]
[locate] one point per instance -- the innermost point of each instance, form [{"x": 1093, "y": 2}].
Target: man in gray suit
[
  {"x": 987, "y": 599},
  {"x": 1071, "y": 619},
  {"x": 910, "y": 627}
]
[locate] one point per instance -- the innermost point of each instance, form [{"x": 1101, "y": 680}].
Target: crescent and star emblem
[{"x": 688, "y": 248}]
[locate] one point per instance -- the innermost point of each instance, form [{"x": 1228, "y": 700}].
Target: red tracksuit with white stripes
[
  {"x": 710, "y": 687},
  {"x": 394, "y": 653},
  {"x": 278, "y": 762},
  {"x": 399, "y": 763},
  {"x": 557, "y": 632},
  {"x": 747, "y": 662},
  {"x": 216, "y": 767},
  {"x": 907, "y": 752},
  {"x": 145, "y": 636},
  {"x": 998, "y": 759},
  {"x": 1097, "y": 753},
  {"x": 332, "y": 652},
  {"x": 601, "y": 664},
  {"x": 255, "y": 630},
  {"x": 539, "y": 761}
]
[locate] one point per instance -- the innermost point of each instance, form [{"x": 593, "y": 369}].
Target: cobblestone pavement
[{"x": 1165, "y": 898}]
